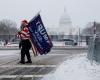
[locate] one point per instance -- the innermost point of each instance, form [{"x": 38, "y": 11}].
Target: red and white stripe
[{"x": 24, "y": 34}]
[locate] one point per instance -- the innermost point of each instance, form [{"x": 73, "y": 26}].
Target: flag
[
  {"x": 24, "y": 34},
  {"x": 39, "y": 36}
]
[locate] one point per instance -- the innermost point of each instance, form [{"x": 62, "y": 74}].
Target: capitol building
[
  {"x": 65, "y": 24},
  {"x": 64, "y": 29}
]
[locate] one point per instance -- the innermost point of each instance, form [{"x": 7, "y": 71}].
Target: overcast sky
[{"x": 80, "y": 11}]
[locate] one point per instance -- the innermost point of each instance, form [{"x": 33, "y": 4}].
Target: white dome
[
  {"x": 65, "y": 20},
  {"x": 65, "y": 24}
]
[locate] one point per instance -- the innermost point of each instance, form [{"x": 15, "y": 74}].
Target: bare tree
[
  {"x": 90, "y": 27},
  {"x": 7, "y": 28},
  {"x": 88, "y": 30}
]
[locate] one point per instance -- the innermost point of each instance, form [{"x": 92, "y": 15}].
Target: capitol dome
[
  {"x": 65, "y": 20},
  {"x": 65, "y": 24}
]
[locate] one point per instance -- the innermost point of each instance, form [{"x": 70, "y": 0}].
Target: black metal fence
[{"x": 77, "y": 38}]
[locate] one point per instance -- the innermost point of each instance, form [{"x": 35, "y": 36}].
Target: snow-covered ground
[
  {"x": 9, "y": 45},
  {"x": 55, "y": 43},
  {"x": 9, "y": 52},
  {"x": 78, "y": 68}
]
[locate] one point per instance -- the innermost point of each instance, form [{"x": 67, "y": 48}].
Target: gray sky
[{"x": 80, "y": 11}]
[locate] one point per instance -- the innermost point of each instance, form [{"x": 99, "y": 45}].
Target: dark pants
[{"x": 26, "y": 45}]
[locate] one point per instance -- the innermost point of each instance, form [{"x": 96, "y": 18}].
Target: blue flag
[{"x": 39, "y": 36}]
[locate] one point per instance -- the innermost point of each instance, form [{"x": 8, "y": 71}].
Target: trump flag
[{"x": 39, "y": 36}]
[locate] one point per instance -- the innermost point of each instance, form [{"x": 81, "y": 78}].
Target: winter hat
[{"x": 25, "y": 21}]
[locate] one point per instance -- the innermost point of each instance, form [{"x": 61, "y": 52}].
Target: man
[{"x": 24, "y": 44}]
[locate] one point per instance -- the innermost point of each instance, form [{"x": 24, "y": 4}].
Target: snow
[
  {"x": 82, "y": 44},
  {"x": 12, "y": 45},
  {"x": 1, "y": 43},
  {"x": 57, "y": 43},
  {"x": 78, "y": 68},
  {"x": 9, "y": 52}
]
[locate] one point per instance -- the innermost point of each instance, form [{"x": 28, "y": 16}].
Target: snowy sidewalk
[{"x": 77, "y": 68}]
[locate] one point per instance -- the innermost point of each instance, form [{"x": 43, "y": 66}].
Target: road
[{"x": 41, "y": 65}]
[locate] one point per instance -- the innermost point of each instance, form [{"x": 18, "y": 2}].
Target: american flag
[{"x": 24, "y": 35}]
